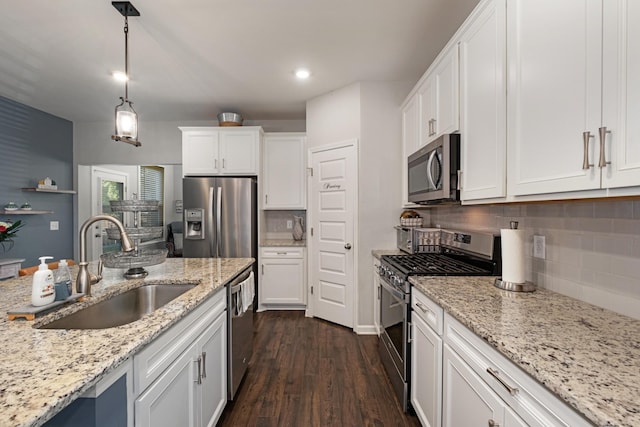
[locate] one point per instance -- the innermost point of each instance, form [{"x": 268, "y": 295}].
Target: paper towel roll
[{"x": 512, "y": 256}]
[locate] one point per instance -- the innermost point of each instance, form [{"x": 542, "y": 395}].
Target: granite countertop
[
  {"x": 588, "y": 356},
  {"x": 377, "y": 253},
  {"x": 282, "y": 242},
  {"x": 42, "y": 371}
]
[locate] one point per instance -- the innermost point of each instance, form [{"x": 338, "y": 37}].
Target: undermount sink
[{"x": 121, "y": 309}]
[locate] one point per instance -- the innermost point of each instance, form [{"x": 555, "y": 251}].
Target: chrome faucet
[{"x": 85, "y": 278}]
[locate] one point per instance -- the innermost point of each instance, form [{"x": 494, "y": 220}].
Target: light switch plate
[
  {"x": 539, "y": 249},
  {"x": 289, "y": 224},
  {"x": 54, "y": 225}
]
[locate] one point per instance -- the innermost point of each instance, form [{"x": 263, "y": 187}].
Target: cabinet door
[
  {"x": 282, "y": 281},
  {"x": 171, "y": 399},
  {"x": 411, "y": 138},
  {"x": 239, "y": 152},
  {"x": 483, "y": 110},
  {"x": 426, "y": 373},
  {"x": 200, "y": 152},
  {"x": 447, "y": 93},
  {"x": 554, "y": 51},
  {"x": 621, "y": 92},
  {"x": 467, "y": 400},
  {"x": 212, "y": 348},
  {"x": 284, "y": 172},
  {"x": 376, "y": 296},
  {"x": 427, "y": 94}
]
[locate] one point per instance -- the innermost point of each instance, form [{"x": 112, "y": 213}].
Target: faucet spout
[{"x": 85, "y": 279}]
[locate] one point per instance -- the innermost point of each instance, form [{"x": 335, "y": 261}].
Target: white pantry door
[{"x": 333, "y": 197}]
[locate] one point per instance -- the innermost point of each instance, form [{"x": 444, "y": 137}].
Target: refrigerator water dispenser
[{"x": 194, "y": 224}]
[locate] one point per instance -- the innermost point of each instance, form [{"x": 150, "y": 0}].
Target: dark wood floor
[{"x": 308, "y": 372}]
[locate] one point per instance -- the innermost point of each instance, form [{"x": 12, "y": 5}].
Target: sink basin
[{"x": 121, "y": 309}]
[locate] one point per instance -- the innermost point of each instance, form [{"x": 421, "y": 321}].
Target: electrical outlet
[
  {"x": 539, "y": 249},
  {"x": 289, "y": 224},
  {"x": 54, "y": 225}
]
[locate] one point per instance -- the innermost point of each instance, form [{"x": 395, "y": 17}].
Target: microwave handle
[{"x": 429, "y": 166}]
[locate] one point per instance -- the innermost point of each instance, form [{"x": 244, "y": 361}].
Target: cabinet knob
[
  {"x": 493, "y": 423},
  {"x": 347, "y": 246}
]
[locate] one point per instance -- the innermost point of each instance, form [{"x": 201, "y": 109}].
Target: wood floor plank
[{"x": 307, "y": 372}]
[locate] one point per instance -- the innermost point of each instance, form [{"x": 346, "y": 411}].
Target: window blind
[{"x": 151, "y": 187}]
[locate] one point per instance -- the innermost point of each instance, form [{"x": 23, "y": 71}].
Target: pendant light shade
[{"x": 126, "y": 116}]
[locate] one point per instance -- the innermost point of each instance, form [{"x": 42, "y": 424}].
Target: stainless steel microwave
[{"x": 434, "y": 171}]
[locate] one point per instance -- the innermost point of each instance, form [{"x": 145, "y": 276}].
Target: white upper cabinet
[
  {"x": 284, "y": 178},
  {"x": 410, "y": 140},
  {"x": 220, "y": 151},
  {"x": 621, "y": 93},
  {"x": 483, "y": 98},
  {"x": 439, "y": 97},
  {"x": 554, "y": 52}
]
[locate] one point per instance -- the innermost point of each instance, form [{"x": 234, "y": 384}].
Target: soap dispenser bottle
[{"x": 43, "y": 290}]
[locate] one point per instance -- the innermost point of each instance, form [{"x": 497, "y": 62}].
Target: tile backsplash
[
  {"x": 592, "y": 247},
  {"x": 275, "y": 223}
]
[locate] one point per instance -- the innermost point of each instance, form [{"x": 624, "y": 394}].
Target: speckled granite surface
[
  {"x": 282, "y": 242},
  {"x": 42, "y": 371},
  {"x": 588, "y": 356},
  {"x": 379, "y": 252}
]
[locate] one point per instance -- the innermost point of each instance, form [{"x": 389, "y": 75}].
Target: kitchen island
[
  {"x": 586, "y": 355},
  {"x": 43, "y": 371}
]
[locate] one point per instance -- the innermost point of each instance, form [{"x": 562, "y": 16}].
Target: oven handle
[{"x": 399, "y": 296}]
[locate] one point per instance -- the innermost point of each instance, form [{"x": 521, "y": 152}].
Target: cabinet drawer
[
  {"x": 282, "y": 252},
  {"x": 157, "y": 356},
  {"x": 535, "y": 404},
  {"x": 9, "y": 270},
  {"x": 427, "y": 310}
]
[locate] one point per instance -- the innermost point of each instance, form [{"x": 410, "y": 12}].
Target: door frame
[{"x": 309, "y": 312}]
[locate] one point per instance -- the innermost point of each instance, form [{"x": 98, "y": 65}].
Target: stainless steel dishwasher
[{"x": 240, "y": 295}]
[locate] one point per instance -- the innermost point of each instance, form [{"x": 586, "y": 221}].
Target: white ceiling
[{"x": 191, "y": 59}]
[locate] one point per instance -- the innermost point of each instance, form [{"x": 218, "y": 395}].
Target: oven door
[{"x": 394, "y": 343}]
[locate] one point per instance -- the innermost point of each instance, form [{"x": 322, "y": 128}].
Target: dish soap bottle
[
  {"x": 62, "y": 280},
  {"x": 43, "y": 290}
]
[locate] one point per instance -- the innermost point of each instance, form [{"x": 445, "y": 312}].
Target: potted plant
[{"x": 8, "y": 231}]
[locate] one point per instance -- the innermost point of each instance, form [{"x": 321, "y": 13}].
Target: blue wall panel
[{"x": 34, "y": 145}]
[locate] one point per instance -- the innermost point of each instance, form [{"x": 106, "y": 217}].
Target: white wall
[{"x": 369, "y": 112}]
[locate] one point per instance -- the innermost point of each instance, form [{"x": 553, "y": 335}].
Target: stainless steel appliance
[
  {"x": 434, "y": 171},
  {"x": 220, "y": 221},
  {"x": 240, "y": 321},
  {"x": 460, "y": 254}
]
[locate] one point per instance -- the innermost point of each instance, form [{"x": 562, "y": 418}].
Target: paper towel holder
[{"x": 512, "y": 286}]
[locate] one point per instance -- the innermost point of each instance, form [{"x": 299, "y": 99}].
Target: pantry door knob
[{"x": 347, "y": 246}]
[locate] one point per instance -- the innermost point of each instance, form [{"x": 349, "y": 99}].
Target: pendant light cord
[{"x": 126, "y": 57}]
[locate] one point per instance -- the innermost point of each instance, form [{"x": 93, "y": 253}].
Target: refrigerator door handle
[
  {"x": 218, "y": 221},
  {"x": 210, "y": 221}
]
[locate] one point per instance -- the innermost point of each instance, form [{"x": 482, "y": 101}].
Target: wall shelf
[
  {"x": 45, "y": 190},
  {"x": 24, "y": 212}
]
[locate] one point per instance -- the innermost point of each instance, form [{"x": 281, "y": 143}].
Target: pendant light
[{"x": 126, "y": 116}]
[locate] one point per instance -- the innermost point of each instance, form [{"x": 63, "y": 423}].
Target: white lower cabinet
[
  {"x": 282, "y": 278},
  {"x": 481, "y": 386},
  {"x": 468, "y": 400},
  {"x": 181, "y": 378},
  {"x": 376, "y": 295},
  {"x": 426, "y": 372}
]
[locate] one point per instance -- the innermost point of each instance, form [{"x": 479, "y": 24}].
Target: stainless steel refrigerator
[{"x": 221, "y": 221}]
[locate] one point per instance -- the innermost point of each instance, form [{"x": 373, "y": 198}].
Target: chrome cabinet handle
[
  {"x": 281, "y": 253},
  {"x": 379, "y": 292},
  {"x": 199, "y": 362},
  {"x": 603, "y": 136},
  {"x": 266, "y": 199},
  {"x": 586, "y": 137},
  {"x": 422, "y": 307},
  {"x": 263, "y": 269},
  {"x": 224, "y": 163},
  {"x": 493, "y": 423},
  {"x": 204, "y": 364},
  {"x": 434, "y": 127},
  {"x": 459, "y": 186},
  {"x": 409, "y": 328},
  {"x": 495, "y": 374},
  {"x": 347, "y": 246}
]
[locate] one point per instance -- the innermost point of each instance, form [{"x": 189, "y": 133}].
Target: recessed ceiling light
[
  {"x": 302, "y": 73},
  {"x": 119, "y": 76}
]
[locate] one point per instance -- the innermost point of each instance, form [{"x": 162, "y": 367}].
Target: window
[{"x": 151, "y": 187}]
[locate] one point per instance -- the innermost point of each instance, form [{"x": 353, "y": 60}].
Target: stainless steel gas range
[{"x": 461, "y": 253}]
